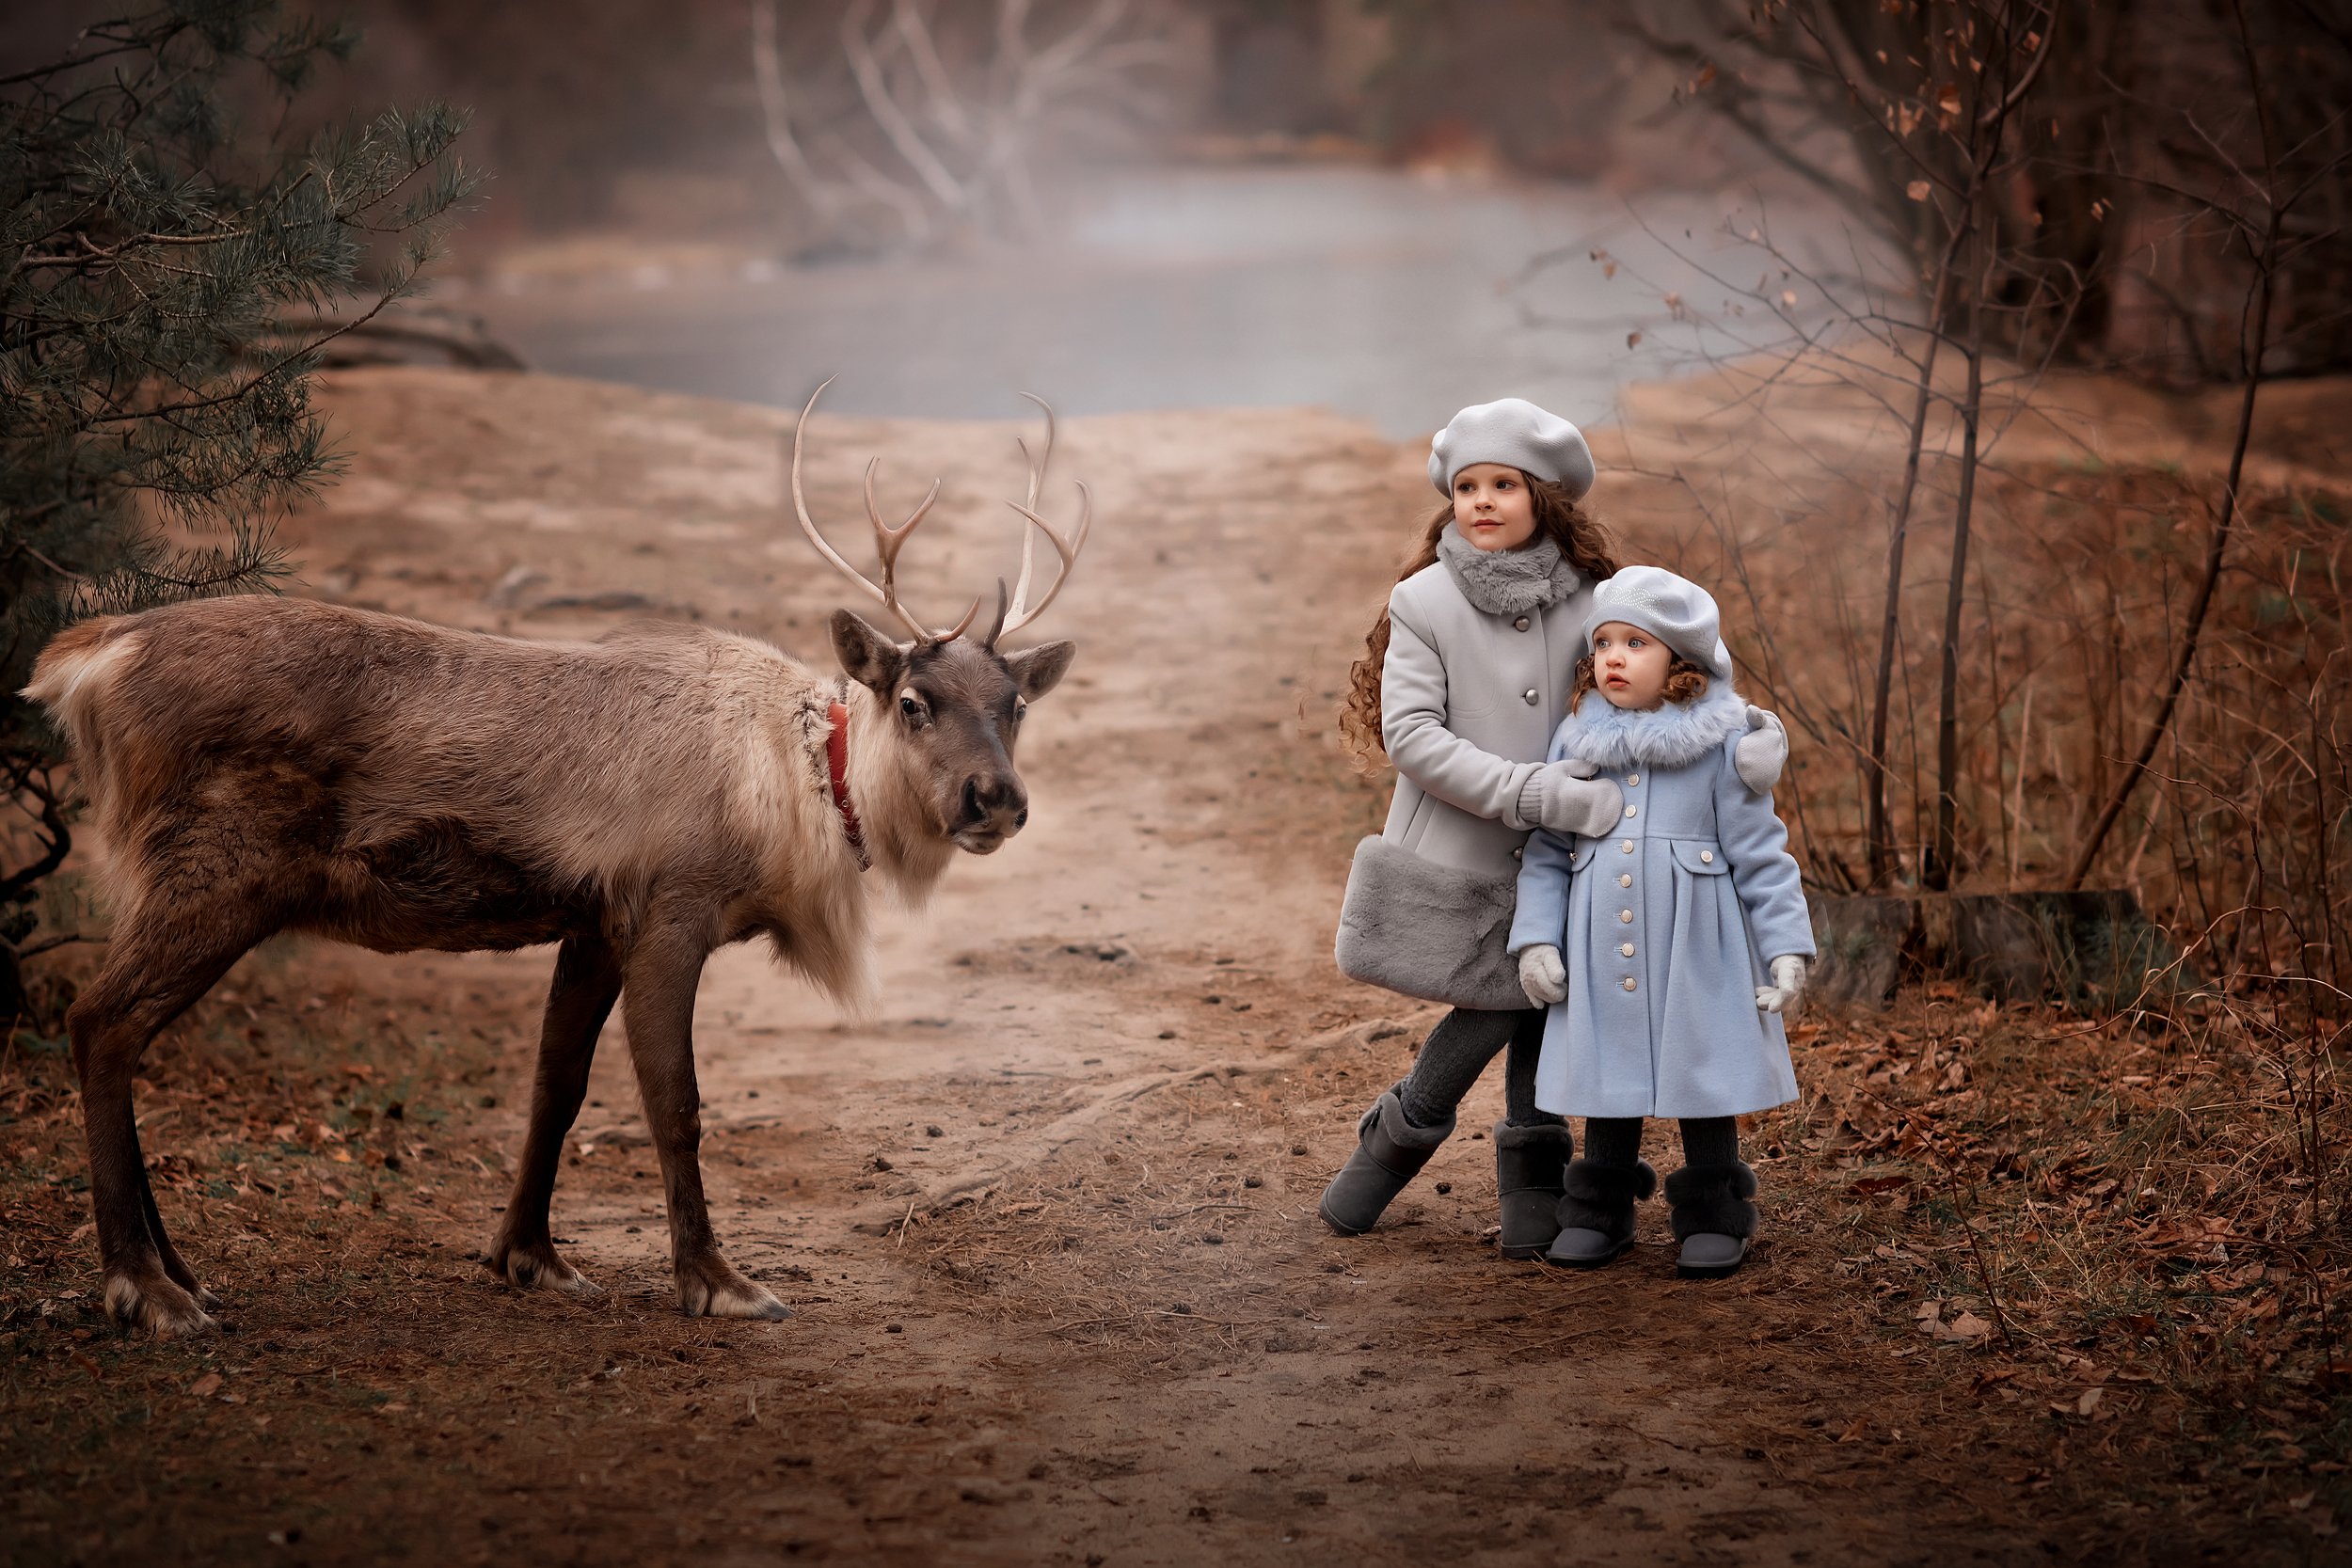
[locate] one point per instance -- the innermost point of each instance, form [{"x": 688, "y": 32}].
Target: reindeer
[{"x": 259, "y": 764}]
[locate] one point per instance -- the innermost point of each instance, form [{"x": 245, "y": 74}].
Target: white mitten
[
  {"x": 1762, "y": 752},
  {"x": 1542, "y": 976},
  {"x": 1785, "y": 995},
  {"x": 1564, "y": 798}
]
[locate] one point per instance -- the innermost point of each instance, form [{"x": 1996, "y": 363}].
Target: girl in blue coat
[{"x": 1684, "y": 929}]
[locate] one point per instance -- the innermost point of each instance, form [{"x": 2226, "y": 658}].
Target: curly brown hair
[
  {"x": 1685, "y": 681},
  {"x": 1587, "y": 543}
]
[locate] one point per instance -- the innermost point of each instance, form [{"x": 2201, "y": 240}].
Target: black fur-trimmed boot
[
  {"x": 1390, "y": 1152},
  {"x": 1597, "y": 1212},
  {"x": 1530, "y": 1162},
  {"x": 1713, "y": 1218}
]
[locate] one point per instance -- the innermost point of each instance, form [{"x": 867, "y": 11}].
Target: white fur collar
[{"x": 1672, "y": 734}]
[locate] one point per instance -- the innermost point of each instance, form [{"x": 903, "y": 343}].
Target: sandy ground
[{"x": 1046, "y": 1219}]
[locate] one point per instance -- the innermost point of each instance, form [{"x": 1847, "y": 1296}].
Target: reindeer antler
[
  {"x": 887, "y": 540},
  {"x": 1020, "y": 611}
]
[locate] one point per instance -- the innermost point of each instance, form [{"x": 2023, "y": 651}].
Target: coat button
[
  {"x": 1627, "y": 950},
  {"x": 1706, "y": 857},
  {"x": 1530, "y": 695},
  {"x": 1627, "y": 847},
  {"x": 1634, "y": 811},
  {"x": 1625, "y": 917},
  {"x": 1518, "y": 854},
  {"x": 1633, "y": 778},
  {"x": 1628, "y": 982},
  {"x": 1625, "y": 878},
  {"x": 1519, "y": 625}
]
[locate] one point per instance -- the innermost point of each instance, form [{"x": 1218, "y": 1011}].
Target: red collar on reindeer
[{"x": 837, "y": 764}]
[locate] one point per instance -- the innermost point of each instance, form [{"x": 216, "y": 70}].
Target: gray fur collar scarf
[
  {"x": 1508, "y": 583},
  {"x": 1673, "y": 734}
]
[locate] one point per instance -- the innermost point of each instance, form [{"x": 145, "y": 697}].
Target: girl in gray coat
[
  {"x": 1684, "y": 922},
  {"x": 1463, "y": 677}
]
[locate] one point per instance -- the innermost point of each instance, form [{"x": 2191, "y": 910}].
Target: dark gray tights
[
  {"x": 1459, "y": 1050},
  {"x": 1618, "y": 1140}
]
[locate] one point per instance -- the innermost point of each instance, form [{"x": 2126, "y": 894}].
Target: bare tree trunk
[
  {"x": 1944, "y": 850},
  {"x": 1879, "y": 838}
]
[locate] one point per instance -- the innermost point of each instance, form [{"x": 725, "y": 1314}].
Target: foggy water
[{"x": 1375, "y": 293}]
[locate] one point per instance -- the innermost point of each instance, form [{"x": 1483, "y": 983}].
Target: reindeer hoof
[
  {"x": 156, "y": 1305},
  {"x": 536, "y": 1266},
  {"x": 712, "y": 1289}
]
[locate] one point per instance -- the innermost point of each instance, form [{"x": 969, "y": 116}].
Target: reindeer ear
[
  {"x": 867, "y": 656},
  {"x": 1038, "y": 669}
]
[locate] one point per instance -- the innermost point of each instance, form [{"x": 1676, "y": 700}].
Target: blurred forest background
[{"x": 644, "y": 119}]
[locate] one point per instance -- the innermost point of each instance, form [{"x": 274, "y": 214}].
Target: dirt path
[{"x": 1047, "y": 1218}]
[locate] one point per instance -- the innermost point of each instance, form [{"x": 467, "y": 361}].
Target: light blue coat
[{"x": 1667, "y": 928}]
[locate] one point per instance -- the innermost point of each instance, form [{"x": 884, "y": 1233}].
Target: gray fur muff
[{"x": 1427, "y": 930}]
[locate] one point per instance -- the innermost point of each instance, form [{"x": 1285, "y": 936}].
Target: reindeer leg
[
  {"x": 149, "y": 981},
  {"x": 175, "y": 1268},
  {"x": 587, "y": 979},
  {"x": 663, "y": 967}
]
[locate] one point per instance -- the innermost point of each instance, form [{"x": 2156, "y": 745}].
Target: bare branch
[
  {"x": 874, "y": 86},
  {"x": 776, "y": 115}
]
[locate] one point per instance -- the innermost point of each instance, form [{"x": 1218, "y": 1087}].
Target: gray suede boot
[
  {"x": 1712, "y": 1218},
  {"x": 1597, "y": 1212},
  {"x": 1529, "y": 1165},
  {"x": 1390, "y": 1152}
]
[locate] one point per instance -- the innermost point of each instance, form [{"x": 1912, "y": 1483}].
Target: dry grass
[
  {"x": 2078, "y": 585},
  {"x": 2119, "y": 1223}
]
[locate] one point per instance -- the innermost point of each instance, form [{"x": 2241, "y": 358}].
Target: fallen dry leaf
[
  {"x": 206, "y": 1386},
  {"x": 1966, "y": 1326}
]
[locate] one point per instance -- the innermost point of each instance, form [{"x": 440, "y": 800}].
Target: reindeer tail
[{"x": 74, "y": 679}]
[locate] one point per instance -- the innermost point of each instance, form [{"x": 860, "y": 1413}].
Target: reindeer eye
[
  {"x": 909, "y": 705},
  {"x": 1020, "y": 709}
]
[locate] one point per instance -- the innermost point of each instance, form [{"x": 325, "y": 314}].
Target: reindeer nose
[{"x": 987, "y": 799}]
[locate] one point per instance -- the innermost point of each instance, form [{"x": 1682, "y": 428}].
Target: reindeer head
[{"x": 955, "y": 702}]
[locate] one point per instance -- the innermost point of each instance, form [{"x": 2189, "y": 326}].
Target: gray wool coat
[
  {"x": 1666, "y": 927},
  {"x": 1482, "y": 653}
]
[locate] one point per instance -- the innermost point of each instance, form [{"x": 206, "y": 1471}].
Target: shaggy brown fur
[{"x": 259, "y": 764}]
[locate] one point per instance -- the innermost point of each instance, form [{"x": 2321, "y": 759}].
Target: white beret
[
  {"x": 1517, "y": 433},
  {"x": 1676, "y": 610}
]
